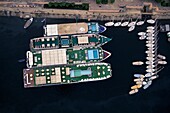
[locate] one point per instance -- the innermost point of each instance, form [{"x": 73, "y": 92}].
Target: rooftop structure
[
  {"x": 65, "y": 56},
  {"x": 52, "y": 42},
  {"x": 73, "y": 28},
  {"x": 65, "y": 74}
]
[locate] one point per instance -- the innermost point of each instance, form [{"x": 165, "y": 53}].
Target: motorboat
[
  {"x": 28, "y": 23},
  {"x": 150, "y": 58},
  {"x": 139, "y": 75},
  {"x": 150, "y": 27},
  {"x": 133, "y": 23},
  {"x": 162, "y": 62},
  {"x": 153, "y": 77},
  {"x": 125, "y": 23},
  {"x": 133, "y": 91},
  {"x": 136, "y": 86},
  {"x": 150, "y": 21},
  {"x": 131, "y": 28},
  {"x": 117, "y": 24},
  {"x": 109, "y": 23},
  {"x": 138, "y": 79},
  {"x": 141, "y": 33},
  {"x": 150, "y": 45},
  {"x": 137, "y": 63},
  {"x": 142, "y": 37},
  {"x": 161, "y": 56},
  {"x": 147, "y": 85},
  {"x": 139, "y": 23},
  {"x": 150, "y": 31}
]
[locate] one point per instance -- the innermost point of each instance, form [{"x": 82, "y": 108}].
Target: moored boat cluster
[
  {"x": 154, "y": 61},
  {"x": 66, "y": 55}
]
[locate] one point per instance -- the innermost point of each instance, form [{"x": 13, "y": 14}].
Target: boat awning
[
  {"x": 53, "y": 57},
  {"x": 52, "y": 30}
]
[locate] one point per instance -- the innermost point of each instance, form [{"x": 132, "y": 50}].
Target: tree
[
  {"x": 112, "y": 1},
  {"x": 98, "y": 1}
]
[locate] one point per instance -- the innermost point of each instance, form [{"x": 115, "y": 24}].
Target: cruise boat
[
  {"x": 131, "y": 28},
  {"x": 137, "y": 63},
  {"x": 65, "y": 74},
  {"x": 109, "y": 24},
  {"x": 67, "y": 41},
  {"x": 66, "y": 56},
  {"x": 73, "y": 28},
  {"x": 28, "y": 23}
]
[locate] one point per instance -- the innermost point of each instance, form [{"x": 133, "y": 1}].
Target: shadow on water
[{"x": 101, "y": 96}]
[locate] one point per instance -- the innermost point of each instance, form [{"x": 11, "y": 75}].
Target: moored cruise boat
[
  {"x": 66, "y": 56},
  {"x": 65, "y": 74},
  {"x": 73, "y": 28},
  {"x": 54, "y": 42}
]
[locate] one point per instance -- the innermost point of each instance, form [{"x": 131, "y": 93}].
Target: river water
[{"x": 107, "y": 96}]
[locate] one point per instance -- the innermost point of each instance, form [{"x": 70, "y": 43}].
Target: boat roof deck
[
  {"x": 65, "y": 29},
  {"x": 65, "y": 74}
]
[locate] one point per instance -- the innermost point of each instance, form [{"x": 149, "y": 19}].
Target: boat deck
[
  {"x": 84, "y": 40},
  {"x": 66, "y": 56},
  {"x": 65, "y": 74}
]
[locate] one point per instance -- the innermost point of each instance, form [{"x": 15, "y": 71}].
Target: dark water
[{"x": 108, "y": 96}]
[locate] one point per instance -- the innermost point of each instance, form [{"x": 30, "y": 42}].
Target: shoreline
[{"x": 127, "y": 12}]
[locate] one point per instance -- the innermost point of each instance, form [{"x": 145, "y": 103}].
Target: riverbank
[{"x": 35, "y": 9}]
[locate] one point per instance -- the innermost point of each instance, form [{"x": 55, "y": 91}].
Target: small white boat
[
  {"x": 150, "y": 28},
  {"x": 148, "y": 51},
  {"x": 109, "y": 23},
  {"x": 142, "y": 37},
  {"x": 139, "y": 83},
  {"x": 161, "y": 57},
  {"x": 162, "y": 62},
  {"x": 28, "y": 23},
  {"x": 133, "y": 91},
  {"x": 150, "y": 21},
  {"x": 139, "y": 75},
  {"x": 132, "y": 24},
  {"x": 150, "y": 58},
  {"x": 117, "y": 24},
  {"x": 136, "y": 86},
  {"x": 150, "y": 70},
  {"x": 150, "y": 38},
  {"x": 137, "y": 63},
  {"x": 149, "y": 62},
  {"x": 153, "y": 77},
  {"x": 150, "y": 42},
  {"x": 139, "y": 23},
  {"x": 144, "y": 83},
  {"x": 150, "y": 35},
  {"x": 125, "y": 23},
  {"x": 138, "y": 79},
  {"x": 147, "y": 85},
  {"x": 150, "y": 66},
  {"x": 150, "y": 45},
  {"x": 151, "y": 55},
  {"x": 150, "y": 31},
  {"x": 148, "y": 74},
  {"x": 131, "y": 28},
  {"x": 141, "y": 33}
]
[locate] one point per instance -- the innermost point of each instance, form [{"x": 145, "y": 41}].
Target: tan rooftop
[{"x": 64, "y": 29}]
